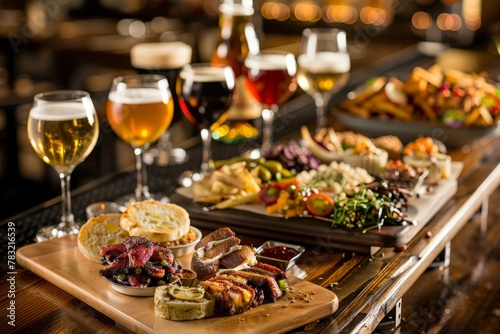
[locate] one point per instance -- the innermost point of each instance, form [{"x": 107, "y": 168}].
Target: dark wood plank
[{"x": 464, "y": 297}]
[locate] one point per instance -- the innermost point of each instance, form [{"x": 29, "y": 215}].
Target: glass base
[
  {"x": 130, "y": 199},
  {"x": 52, "y": 232}
]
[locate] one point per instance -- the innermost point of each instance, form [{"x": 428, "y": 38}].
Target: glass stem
[
  {"x": 67, "y": 223},
  {"x": 267, "y": 131},
  {"x": 206, "y": 155},
  {"x": 320, "y": 113},
  {"x": 141, "y": 189}
]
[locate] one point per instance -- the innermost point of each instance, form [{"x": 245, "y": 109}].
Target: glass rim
[
  {"x": 73, "y": 95},
  {"x": 127, "y": 77},
  {"x": 205, "y": 69},
  {"x": 271, "y": 52},
  {"x": 323, "y": 31},
  {"x": 204, "y": 65}
]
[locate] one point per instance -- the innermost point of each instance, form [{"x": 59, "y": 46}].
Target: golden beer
[
  {"x": 139, "y": 116},
  {"x": 324, "y": 74},
  {"x": 62, "y": 134}
]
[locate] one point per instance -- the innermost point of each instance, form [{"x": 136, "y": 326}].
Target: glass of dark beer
[{"x": 205, "y": 93}]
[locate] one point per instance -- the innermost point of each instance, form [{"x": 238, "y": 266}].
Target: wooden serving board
[
  {"x": 60, "y": 262},
  {"x": 252, "y": 220}
]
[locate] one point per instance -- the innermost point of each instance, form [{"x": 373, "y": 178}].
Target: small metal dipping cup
[
  {"x": 188, "y": 277},
  {"x": 99, "y": 208}
]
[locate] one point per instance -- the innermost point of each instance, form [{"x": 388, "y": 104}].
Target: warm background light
[{"x": 421, "y": 20}]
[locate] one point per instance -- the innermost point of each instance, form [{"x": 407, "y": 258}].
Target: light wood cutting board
[{"x": 60, "y": 262}]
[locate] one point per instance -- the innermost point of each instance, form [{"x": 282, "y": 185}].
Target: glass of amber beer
[
  {"x": 62, "y": 129},
  {"x": 270, "y": 76},
  {"x": 139, "y": 110}
]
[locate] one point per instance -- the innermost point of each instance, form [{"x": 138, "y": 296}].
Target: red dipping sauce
[{"x": 279, "y": 252}]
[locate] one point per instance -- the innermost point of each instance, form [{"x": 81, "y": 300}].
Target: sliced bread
[
  {"x": 100, "y": 231},
  {"x": 159, "y": 222},
  {"x": 169, "y": 305}
]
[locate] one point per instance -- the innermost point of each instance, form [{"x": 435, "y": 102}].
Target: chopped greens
[{"x": 371, "y": 207}]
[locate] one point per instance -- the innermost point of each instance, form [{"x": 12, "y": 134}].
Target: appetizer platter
[
  {"x": 338, "y": 203},
  {"x": 142, "y": 285},
  {"x": 450, "y": 105}
]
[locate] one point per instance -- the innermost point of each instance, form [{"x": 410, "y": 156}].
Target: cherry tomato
[
  {"x": 269, "y": 193},
  {"x": 320, "y": 205}
]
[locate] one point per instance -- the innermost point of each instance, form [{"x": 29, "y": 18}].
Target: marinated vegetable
[{"x": 319, "y": 204}]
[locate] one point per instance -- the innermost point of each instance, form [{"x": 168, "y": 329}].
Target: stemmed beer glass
[
  {"x": 62, "y": 129},
  {"x": 324, "y": 66},
  {"x": 270, "y": 76},
  {"x": 205, "y": 93},
  {"x": 139, "y": 110}
]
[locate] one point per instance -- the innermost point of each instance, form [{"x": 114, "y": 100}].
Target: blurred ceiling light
[
  {"x": 340, "y": 13},
  {"x": 137, "y": 29},
  {"x": 451, "y": 22},
  {"x": 372, "y": 15},
  {"x": 421, "y": 20},
  {"x": 275, "y": 11},
  {"x": 307, "y": 12},
  {"x": 159, "y": 24},
  {"x": 122, "y": 27},
  {"x": 471, "y": 12}
]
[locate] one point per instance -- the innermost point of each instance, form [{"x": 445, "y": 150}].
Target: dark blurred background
[{"x": 78, "y": 44}]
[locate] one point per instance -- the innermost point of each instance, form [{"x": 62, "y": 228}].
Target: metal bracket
[
  {"x": 393, "y": 318},
  {"x": 443, "y": 259}
]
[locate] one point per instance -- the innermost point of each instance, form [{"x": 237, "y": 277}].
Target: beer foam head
[
  {"x": 338, "y": 62},
  {"x": 61, "y": 111},
  {"x": 161, "y": 55},
  {"x": 237, "y": 7},
  {"x": 271, "y": 61},
  {"x": 124, "y": 95},
  {"x": 209, "y": 74}
]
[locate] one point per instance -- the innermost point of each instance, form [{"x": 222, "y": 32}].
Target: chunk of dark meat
[
  {"x": 161, "y": 252},
  {"x": 265, "y": 282},
  {"x": 276, "y": 272},
  {"x": 139, "y": 254},
  {"x": 119, "y": 266},
  {"x": 138, "y": 280},
  {"x": 154, "y": 271},
  {"x": 112, "y": 251}
]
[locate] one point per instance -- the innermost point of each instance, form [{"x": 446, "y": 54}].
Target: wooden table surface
[{"x": 368, "y": 287}]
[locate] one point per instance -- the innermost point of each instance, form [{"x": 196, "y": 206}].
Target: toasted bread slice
[
  {"x": 159, "y": 222},
  {"x": 100, "y": 231},
  {"x": 167, "y": 306}
]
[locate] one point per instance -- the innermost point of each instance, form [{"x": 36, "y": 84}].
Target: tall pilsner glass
[
  {"x": 140, "y": 110},
  {"x": 205, "y": 93},
  {"x": 62, "y": 129},
  {"x": 270, "y": 76},
  {"x": 324, "y": 66}
]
